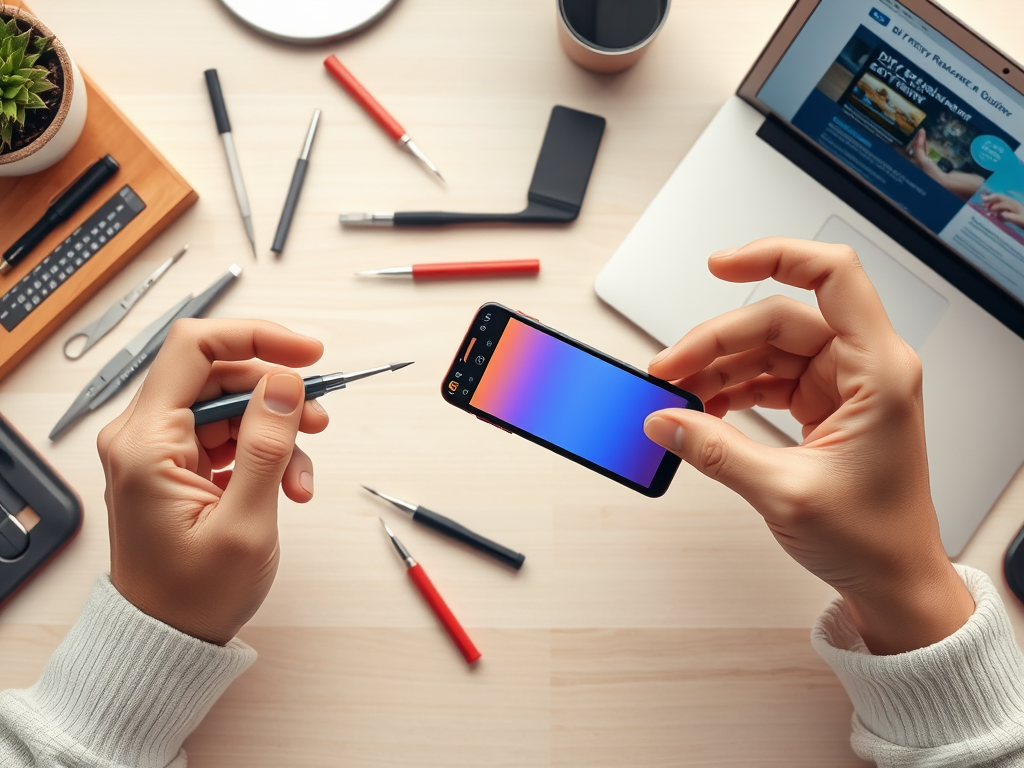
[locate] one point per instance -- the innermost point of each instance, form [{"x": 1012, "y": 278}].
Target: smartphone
[{"x": 521, "y": 376}]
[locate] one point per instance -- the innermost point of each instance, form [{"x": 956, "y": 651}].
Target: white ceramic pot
[{"x": 64, "y": 131}]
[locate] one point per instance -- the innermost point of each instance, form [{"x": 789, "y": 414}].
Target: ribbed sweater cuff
[
  {"x": 129, "y": 688},
  {"x": 962, "y": 688}
]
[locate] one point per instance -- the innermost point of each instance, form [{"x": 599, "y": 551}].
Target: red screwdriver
[
  {"x": 460, "y": 270},
  {"x": 374, "y": 109},
  {"x": 434, "y": 600}
]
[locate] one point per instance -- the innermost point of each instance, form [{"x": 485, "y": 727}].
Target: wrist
[{"x": 915, "y": 612}]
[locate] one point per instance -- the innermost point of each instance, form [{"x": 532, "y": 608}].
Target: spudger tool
[
  {"x": 559, "y": 183},
  {"x": 453, "y": 530},
  {"x": 229, "y": 406}
]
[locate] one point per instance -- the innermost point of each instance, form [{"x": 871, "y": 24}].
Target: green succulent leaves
[{"x": 21, "y": 81}]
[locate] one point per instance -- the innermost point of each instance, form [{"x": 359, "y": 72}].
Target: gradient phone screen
[{"x": 576, "y": 401}]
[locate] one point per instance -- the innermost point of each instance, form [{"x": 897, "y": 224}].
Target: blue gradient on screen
[{"x": 578, "y": 402}]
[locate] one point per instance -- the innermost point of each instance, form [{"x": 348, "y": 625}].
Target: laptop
[{"x": 893, "y": 128}]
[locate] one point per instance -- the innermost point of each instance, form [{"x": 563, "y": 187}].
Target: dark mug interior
[{"x": 613, "y": 25}]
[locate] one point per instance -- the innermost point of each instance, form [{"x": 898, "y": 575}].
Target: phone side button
[
  {"x": 520, "y": 312},
  {"x": 485, "y": 421}
]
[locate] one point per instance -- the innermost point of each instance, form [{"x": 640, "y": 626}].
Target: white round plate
[{"x": 308, "y": 21}]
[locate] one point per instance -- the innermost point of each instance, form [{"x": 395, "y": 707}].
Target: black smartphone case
[{"x": 26, "y": 479}]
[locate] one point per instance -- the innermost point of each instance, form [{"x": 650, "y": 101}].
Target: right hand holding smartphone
[{"x": 852, "y": 503}]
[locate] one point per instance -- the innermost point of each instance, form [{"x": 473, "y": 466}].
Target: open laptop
[{"x": 893, "y": 128}]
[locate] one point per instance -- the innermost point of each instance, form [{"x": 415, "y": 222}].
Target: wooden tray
[{"x": 24, "y": 199}]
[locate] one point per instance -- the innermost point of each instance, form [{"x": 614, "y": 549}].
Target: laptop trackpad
[{"x": 914, "y": 308}]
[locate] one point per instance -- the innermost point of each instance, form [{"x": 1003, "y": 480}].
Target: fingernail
[
  {"x": 667, "y": 434},
  {"x": 306, "y": 481},
  {"x": 661, "y": 356},
  {"x": 315, "y": 405},
  {"x": 284, "y": 392},
  {"x": 723, "y": 254}
]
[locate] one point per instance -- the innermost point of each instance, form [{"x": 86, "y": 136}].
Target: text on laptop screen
[{"x": 918, "y": 119}]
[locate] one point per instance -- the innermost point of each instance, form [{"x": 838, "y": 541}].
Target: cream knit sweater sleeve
[
  {"x": 123, "y": 690},
  {"x": 956, "y": 704}
]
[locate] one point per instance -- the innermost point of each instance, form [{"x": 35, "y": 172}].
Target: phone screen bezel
[{"x": 669, "y": 463}]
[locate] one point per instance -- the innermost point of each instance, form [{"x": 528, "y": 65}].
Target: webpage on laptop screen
[{"x": 918, "y": 119}]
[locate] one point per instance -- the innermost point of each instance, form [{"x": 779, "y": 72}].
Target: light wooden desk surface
[{"x": 642, "y": 633}]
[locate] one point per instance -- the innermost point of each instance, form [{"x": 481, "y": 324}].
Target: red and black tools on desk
[
  {"x": 460, "y": 270},
  {"x": 435, "y": 601},
  {"x": 374, "y": 109},
  {"x": 453, "y": 530}
]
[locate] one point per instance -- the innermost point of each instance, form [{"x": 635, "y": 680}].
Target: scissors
[
  {"x": 139, "y": 352},
  {"x": 102, "y": 326}
]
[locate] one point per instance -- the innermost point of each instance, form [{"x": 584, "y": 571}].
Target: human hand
[
  {"x": 194, "y": 544},
  {"x": 852, "y": 503},
  {"x": 961, "y": 184},
  {"x": 1008, "y": 208}
]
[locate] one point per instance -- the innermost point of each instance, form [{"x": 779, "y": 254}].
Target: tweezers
[{"x": 104, "y": 324}]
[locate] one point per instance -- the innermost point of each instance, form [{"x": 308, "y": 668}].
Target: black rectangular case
[{"x": 27, "y": 480}]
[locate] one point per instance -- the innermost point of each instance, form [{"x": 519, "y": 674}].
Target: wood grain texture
[
  {"x": 671, "y": 632},
  {"x": 24, "y": 199}
]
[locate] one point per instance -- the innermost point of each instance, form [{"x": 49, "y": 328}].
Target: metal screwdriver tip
[{"x": 400, "y": 366}]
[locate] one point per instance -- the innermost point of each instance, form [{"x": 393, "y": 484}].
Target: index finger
[
  {"x": 185, "y": 361},
  {"x": 846, "y": 298}
]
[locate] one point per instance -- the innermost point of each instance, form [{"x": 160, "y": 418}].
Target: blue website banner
[{"x": 902, "y": 131}]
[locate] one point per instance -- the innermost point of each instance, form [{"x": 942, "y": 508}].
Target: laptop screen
[{"x": 918, "y": 119}]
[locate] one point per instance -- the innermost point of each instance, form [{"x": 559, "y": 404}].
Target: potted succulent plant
[{"x": 43, "y": 101}]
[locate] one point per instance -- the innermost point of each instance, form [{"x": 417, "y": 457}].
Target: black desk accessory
[
  {"x": 559, "y": 183},
  {"x": 298, "y": 179},
  {"x": 66, "y": 258},
  {"x": 60, "y": 210},
  {"x": 39, "y": 512}
]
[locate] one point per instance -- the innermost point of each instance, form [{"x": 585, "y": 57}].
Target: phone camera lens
[{"x": 1006, "y": 70}]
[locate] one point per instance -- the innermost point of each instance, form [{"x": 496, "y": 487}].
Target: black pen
[
  {"x": 229, "y": 406},
  {"x": 84, "y": 187},
  {"x": 298, "y": 177}
]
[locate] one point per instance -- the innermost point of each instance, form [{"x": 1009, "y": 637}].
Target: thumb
[
  {"x": 717, "y": 449},
  {"x": 266, "y": 439}
]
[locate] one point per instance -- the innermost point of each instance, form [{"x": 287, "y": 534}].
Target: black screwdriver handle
[{"x": 453, "y": 530}]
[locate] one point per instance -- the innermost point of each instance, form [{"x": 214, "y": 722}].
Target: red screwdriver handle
[
  {"x": 470, "y": 269},
  {"x": 364, "y": 97},
  {"x": 444, "y": 614}
]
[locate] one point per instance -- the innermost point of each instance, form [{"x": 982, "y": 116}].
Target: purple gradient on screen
[{"x": 580, "y": 403}]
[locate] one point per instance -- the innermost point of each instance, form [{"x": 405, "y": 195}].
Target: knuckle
[
  {"x": 797, "y": 500},
  {"x": 267, "y": 452},
  {"x": 847, "y": 256},
  {"x": 104, "y": 439},
  {"x": 712, "y": 457}
]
